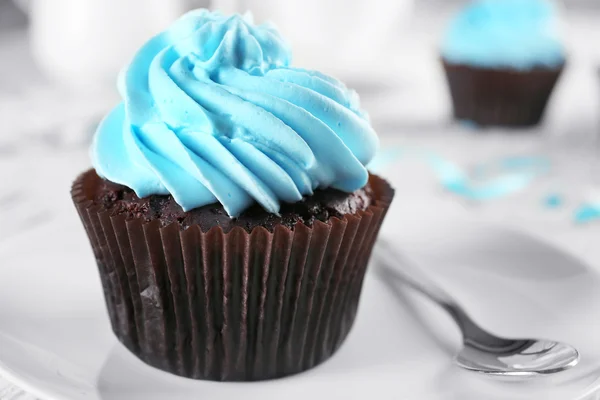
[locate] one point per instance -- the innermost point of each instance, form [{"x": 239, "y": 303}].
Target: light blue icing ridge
[
  {"x": 213, "y": 111},
  {"x": 518, "y": 34}
]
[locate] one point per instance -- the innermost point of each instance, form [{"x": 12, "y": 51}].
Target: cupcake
[
  {"x": 502, "y": 59},
  {"x": 229, "y": 208}
]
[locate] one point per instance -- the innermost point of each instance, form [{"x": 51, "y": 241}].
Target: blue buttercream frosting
[
  {"x": 213, "y": 111},
  {"x": 518, "y": 34}
]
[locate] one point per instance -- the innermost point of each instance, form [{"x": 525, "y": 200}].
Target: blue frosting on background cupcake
[{"x": 518, "y": 34}]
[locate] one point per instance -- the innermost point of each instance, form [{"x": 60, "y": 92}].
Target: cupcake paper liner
[
  {"x": 231, "y": 306},
  {"x": 500, "y": 97}
]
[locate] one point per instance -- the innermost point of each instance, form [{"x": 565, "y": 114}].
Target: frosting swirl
[
  {"x": 212, "y": 112},
  {"x": 519, "y": 34}
]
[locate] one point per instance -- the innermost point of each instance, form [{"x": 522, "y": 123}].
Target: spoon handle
[{"x": 387, "y": 257}]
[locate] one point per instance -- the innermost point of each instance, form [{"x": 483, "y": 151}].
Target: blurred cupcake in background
[{"x": 502, "y": 59}]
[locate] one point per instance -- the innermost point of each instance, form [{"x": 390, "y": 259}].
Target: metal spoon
[{"x": 482, "y": 351}]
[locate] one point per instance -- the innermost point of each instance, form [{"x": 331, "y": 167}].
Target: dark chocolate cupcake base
[
  {"x": 234, "y": 304},
  {"x": 500, "y": 97}
]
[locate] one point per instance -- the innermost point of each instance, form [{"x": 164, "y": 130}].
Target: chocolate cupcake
[
  {"x": 229, "y": 209},
  {"x": 502, "y": 59}
]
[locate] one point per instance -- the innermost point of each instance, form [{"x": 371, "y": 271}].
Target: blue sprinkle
[
  {"x": 487, "y": 181},
  {"x": 587, "y": 213},
  {"x": 515, "y": 174},
  {"x": 553, "y": 201}
]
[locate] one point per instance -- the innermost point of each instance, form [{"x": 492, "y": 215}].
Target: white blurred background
[
  {"x": 59, "y": 60},
  {"x": 61, "y": 57}
]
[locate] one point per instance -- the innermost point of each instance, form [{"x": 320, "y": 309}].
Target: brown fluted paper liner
[
  {"x": 233, "y": 306},
  {"x": 500, "y": 97}
]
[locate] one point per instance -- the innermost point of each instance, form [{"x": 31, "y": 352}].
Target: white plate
[{"x": 55, "y": 339}]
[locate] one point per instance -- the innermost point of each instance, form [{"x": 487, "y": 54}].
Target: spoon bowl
[
  {"x": 534, "y": 357},
  {"x": 482, "y": 351}
]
